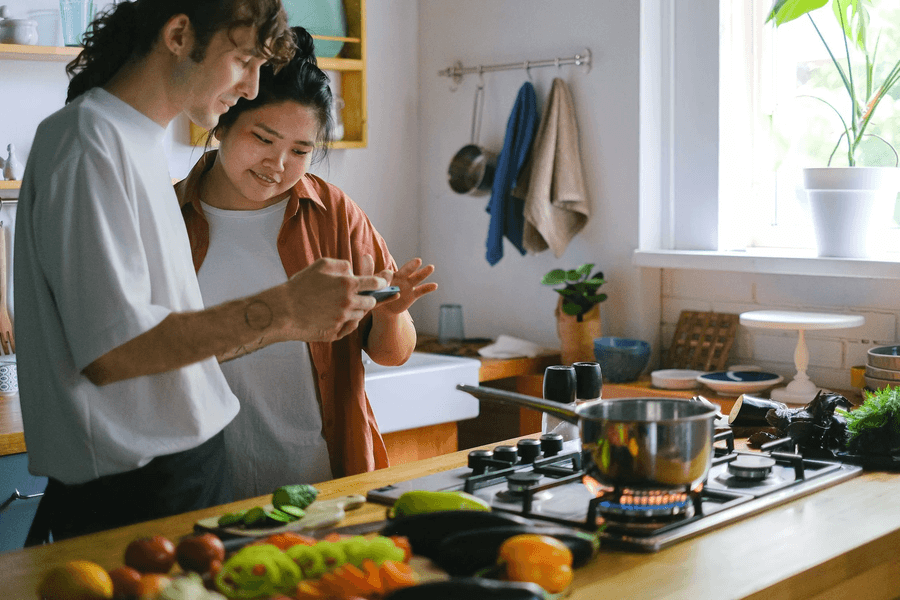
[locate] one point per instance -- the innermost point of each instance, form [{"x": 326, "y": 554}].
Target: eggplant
[
  {"x": 470, "y": 588},
  {"x": 466, "y": 552},
  {"x": 425, "y": 531}
]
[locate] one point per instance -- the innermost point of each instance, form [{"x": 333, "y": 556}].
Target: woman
[{"x": 254, "y": 217}]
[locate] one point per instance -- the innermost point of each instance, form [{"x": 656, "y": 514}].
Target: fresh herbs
[
  {"x": 874, "y": 426},
  {"x": 580, "y": 288}
]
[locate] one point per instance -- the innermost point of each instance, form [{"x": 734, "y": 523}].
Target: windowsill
[{"x": 776, "y": 262}]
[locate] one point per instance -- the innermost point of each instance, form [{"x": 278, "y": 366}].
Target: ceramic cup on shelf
[
  {"x": 17, "y": 31},
  {"x": 9, "y": 379}
]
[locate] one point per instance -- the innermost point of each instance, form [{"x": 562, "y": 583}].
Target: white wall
[{"x": 508, "y": 298}]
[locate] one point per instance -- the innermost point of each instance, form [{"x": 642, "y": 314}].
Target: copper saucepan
[{"x": 644, "y": 443}]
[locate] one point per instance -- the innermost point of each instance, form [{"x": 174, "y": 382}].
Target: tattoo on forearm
[
  {"x": 258, "y": 315},
  {"x": 245, "y": 349}
]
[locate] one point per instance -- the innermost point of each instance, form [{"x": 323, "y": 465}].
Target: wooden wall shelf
[{"x": 38, "y": 53}]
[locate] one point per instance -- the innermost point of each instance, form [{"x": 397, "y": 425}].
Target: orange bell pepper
[{"x": 540, "y": 559}]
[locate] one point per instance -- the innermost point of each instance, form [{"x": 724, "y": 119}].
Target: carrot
[
  {"x": 309, "y": 590},
  {"x": 287, "y": 539},
  {"x": 335, "y": 585},
  {"x": 354, "y": 575},
  {"x": 396, "y": 575},
  {"x": 402, "y": 542},
  {"x": 373, "y": 575}
]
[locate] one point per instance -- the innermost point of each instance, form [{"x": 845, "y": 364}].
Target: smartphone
[{"x": 383, "y": 293}]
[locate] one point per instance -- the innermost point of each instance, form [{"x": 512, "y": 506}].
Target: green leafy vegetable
[{"x": 874, "y": 426}]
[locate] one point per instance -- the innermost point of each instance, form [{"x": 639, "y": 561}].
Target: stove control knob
[
  {"x": 506, "y": 454},
  {"x": 479, "y": 460},
  {"x": 551, "y": 444},
  {"x": 528, "y": 450}
]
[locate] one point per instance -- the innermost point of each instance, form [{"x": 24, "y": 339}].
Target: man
[{"x": 122, "y": 398}]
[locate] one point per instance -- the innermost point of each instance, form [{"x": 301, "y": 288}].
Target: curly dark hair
[
  {"x": 128, "y": 30},
  {"x": 300, "y": 81}
]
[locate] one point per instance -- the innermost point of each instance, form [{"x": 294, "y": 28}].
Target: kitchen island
[{"x": 840, "y": 542}]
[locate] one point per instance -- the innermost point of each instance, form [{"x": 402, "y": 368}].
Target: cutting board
[{"x": 321, "y": 513}]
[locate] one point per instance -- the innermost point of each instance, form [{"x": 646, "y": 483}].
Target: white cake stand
[{"x": 801, "y": 390}]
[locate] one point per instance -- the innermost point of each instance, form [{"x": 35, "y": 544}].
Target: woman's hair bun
[{"x": 306, "y": 49}]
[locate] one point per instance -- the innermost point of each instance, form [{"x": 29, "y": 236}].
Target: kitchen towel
[
  {"x": 552, "y": 182},
  {"x": 505, "y": 210},
  {"x": 509, "y": 347}
]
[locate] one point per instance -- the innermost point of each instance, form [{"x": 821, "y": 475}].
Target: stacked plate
[{"x": 883, "y": 368}]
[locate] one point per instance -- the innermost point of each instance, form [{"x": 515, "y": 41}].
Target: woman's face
[{"x": 265, "y": 152}]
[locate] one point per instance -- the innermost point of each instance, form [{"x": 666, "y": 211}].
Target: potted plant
[
  {"x": 849, "y": 202},
  {"x": 577, "y": 311}
]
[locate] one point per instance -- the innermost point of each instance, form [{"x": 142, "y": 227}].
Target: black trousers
[{"x": 167, "y": 485}]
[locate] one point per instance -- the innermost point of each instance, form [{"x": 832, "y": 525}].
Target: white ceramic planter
[{"x": 851, "y": 208}]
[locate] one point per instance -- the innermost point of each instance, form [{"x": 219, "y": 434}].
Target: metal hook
[
  {"x": 528, "y": 70},
  {"x": 557, "y": 62},
  {"x": 456, "y": 76}
]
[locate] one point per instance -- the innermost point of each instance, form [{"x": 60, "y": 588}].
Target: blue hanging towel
[{"x": 507, "y": 212}]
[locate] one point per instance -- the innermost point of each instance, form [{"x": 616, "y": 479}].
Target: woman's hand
[
  {"x": 392, "y": 336},
  {"x": 408, "y": 278}
]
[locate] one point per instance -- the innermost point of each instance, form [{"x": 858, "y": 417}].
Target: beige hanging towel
[{"x": 552, "y": 182}]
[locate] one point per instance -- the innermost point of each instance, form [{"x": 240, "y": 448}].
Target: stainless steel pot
[
  {"x": 635, "y": 442},
  {"x": 472, "y": 168}
]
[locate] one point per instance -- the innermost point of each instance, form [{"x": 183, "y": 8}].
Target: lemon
[{"x": 76, "y": 580}]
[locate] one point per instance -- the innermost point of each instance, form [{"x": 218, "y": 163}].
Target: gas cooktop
[{"x": 543, "y": 479}]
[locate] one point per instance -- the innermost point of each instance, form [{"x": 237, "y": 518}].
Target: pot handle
[
  {"x": 502, "y": 396},
  {"x": 477, "y": 111}
]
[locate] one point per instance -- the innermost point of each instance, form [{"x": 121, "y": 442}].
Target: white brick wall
[{"x": 831, "y": 352}]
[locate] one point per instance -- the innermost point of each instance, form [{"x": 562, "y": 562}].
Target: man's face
[{"x": 228, "y": 71}]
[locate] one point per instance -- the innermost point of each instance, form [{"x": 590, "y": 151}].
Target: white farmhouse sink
[{"x": 421, "y": 392}]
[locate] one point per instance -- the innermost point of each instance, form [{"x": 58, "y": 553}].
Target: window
[
  {"x": 701, "y": 100},
  {"x": 773, "y": 121}
]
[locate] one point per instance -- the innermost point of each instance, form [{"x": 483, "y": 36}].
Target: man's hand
[{"x": 323, "y": 303}]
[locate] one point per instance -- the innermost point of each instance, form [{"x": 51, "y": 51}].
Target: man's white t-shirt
[
  {"x": 277, "y": 437},
  {"x": 102, "y": 256}
]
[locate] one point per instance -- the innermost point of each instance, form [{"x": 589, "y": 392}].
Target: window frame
[{"x": 679, "y": 146}]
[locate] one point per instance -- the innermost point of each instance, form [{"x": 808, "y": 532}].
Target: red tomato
[{"x": 151, "y": 554}]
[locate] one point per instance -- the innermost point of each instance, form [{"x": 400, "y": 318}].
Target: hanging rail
[{"x": 457, "y": 71}]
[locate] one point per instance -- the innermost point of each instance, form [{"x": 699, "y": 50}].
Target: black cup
[
  {"x": 750, "y": 411},
  {"x": 560, "y": 384},
  {"x": 588, "y": 380}
]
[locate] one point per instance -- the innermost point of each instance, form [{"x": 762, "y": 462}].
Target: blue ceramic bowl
[{"x": 621, "y": 359}]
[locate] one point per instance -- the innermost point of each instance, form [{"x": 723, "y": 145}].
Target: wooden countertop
[
  {"x": 12, "y": 438},
  {"x": 837, "y": 543},
  {"x": 491, "y": 368}
]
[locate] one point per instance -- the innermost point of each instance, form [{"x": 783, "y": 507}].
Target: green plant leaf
[
  {"x": 554, "y": 277},
  {"x": 584, "y": 271},
  {"x": 596, "y": 299},
  {"x": 784, "y": 11},
  {"x": 854, "y": 12},
  {"x": 571, "y": 309},
  {"x": 568, "y": 293},
  {"x": 594, "y": 281},
  {"x": 572, "y": 275}
]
